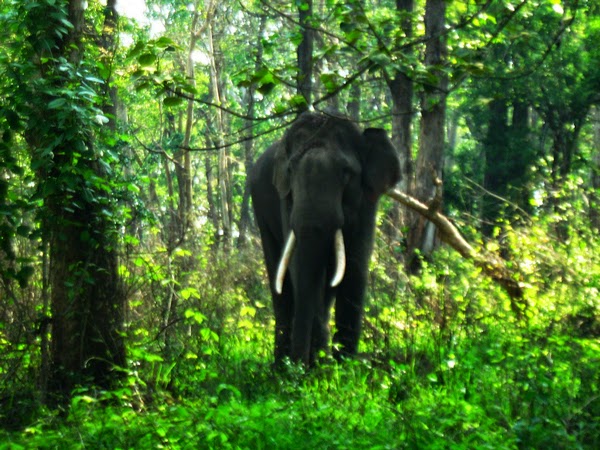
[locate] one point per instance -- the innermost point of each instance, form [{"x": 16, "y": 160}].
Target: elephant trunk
[{"x": 340, "y": 260}]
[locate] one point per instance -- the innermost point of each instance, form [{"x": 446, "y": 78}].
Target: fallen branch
[{"x": 492, "y": 265}]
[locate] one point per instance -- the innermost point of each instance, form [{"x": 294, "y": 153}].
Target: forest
[{"x": 135, "y": 305}]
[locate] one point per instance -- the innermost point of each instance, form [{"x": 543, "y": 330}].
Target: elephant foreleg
[
  {"x": 349, "y": 311},
  {"x": 283, "y": 306},
  {"x": 321, "y": 331}
]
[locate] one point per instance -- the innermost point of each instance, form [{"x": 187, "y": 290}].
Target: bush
[{"x": 444, "y": 362}]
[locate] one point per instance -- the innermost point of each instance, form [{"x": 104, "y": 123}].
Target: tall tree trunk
[
  {"x": 223, "y": 155},
  {"x": 183, "y": 166},
  {"x": 565, "y": 127},
  {"x": 496, "y": 151},
  {"x": 422, "y": 237},
  {"x": 354, "y": 102},
  {"x": 45, "y": 350},
  {"x": 305, "y": 53},
  {"x": 522, "y": 148},
  {"x": 108, "y": 43},
  {"x": 86, "y": 299},
  {"x": 401, "y": 90},
  {"x": 212, "y": 214},
  {"x": 245, "y": 218},
  {"x": 180, "y": 268},
  {"x": 249, "y": 144}
]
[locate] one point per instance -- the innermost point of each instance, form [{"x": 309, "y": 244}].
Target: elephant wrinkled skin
[{"x": 315, "y": 193}]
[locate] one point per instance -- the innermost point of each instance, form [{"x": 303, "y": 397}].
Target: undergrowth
[{"x": 444, "y": 363}]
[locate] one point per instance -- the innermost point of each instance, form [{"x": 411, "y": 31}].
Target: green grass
[
  {"x": 495, "y": 394},
  {"x": 444, "y": 365}
]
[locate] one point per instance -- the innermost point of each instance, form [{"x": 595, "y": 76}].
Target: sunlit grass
[{"x": 443, "y": 363}]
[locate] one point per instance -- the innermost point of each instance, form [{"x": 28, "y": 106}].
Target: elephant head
[{"x": 327, "y": 176}]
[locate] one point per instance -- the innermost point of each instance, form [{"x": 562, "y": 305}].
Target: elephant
[{"x": 315, "y": 194}]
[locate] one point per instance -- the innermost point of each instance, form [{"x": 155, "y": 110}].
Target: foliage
[
  {"x": 444, "y": 363},
  {"x": 448, "y": 366}
]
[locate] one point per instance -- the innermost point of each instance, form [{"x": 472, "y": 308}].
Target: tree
[
  {"x": 305, "y": 53},
  {"x": 527, "y": 125},
  {"x": 401, "y": 90},
  {"x": 58, "y": 100},
  {"x": 429, "y": 164},
  {"x": 217, "y": 96},
  {"x": 249, "y": 144},
  {"x": 508, "y": 155}
]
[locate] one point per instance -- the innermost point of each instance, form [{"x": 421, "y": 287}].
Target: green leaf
[
  {"x": 57, "y": 103},
  {"x": 189, "y": 292},
  {"x": 197, "y": 316},
  {"x": 101, "y": 119},
  {"x": 296, "y": 39},
  {"x": 147, "y": 59},
  {"x": 136, "y": 50},
  {"x": 297, "y": 100},
  {"x": 133, "y": 188},
  {"x": 164, "y": 42},
  {"x": 329, "y": 80},
  {"x": 172, "y": 101},
  {"x": 303, "y": 6}
]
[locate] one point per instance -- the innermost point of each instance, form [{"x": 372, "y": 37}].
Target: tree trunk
[
  {"x": 401, "y": 90},
  {"x": 245, "y": 219},
  {"x": 305, "y": 53},
  {"x": 109, "y": 46},
  {"x": 565, "y": 127},
  {"x": 422, "y": 237},
  {"x": 180, "y": 268},
  {"x": 212, "y": 214},
  {"x": 354, "y": 102},
  {"x": 521, "y": 147},
  {"x": 223, "y": 156},
  {"x": 86, "y": 299},
  {"x": 183, "y": 168},
  {"x": 496, "y": 151}
]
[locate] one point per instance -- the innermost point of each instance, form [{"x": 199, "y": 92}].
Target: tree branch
[{"x": 493, "y": 266}]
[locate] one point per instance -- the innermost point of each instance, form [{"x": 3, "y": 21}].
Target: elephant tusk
[
  {"x": 340, "y": 259},
  {"x": 284, "y": 262}
]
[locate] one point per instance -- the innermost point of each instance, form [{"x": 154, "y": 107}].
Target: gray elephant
[{"x": 315, "y": 195}]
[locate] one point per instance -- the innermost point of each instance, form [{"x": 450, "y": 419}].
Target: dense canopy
[{"x": 135, "y": 310}]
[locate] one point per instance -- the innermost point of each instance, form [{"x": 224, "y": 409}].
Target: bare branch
[
  {"x": 239, "y": 141},
  {"x": 161, "y": 152},
  {"x": 491, "y": 264},
  {"x": 498, "y": 197},
  {"x": 296, "y": 22}
]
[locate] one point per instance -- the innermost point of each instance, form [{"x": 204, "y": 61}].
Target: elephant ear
[
  {"x": 381, "y": 166},
  {"x": 281, "y": 170}
]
